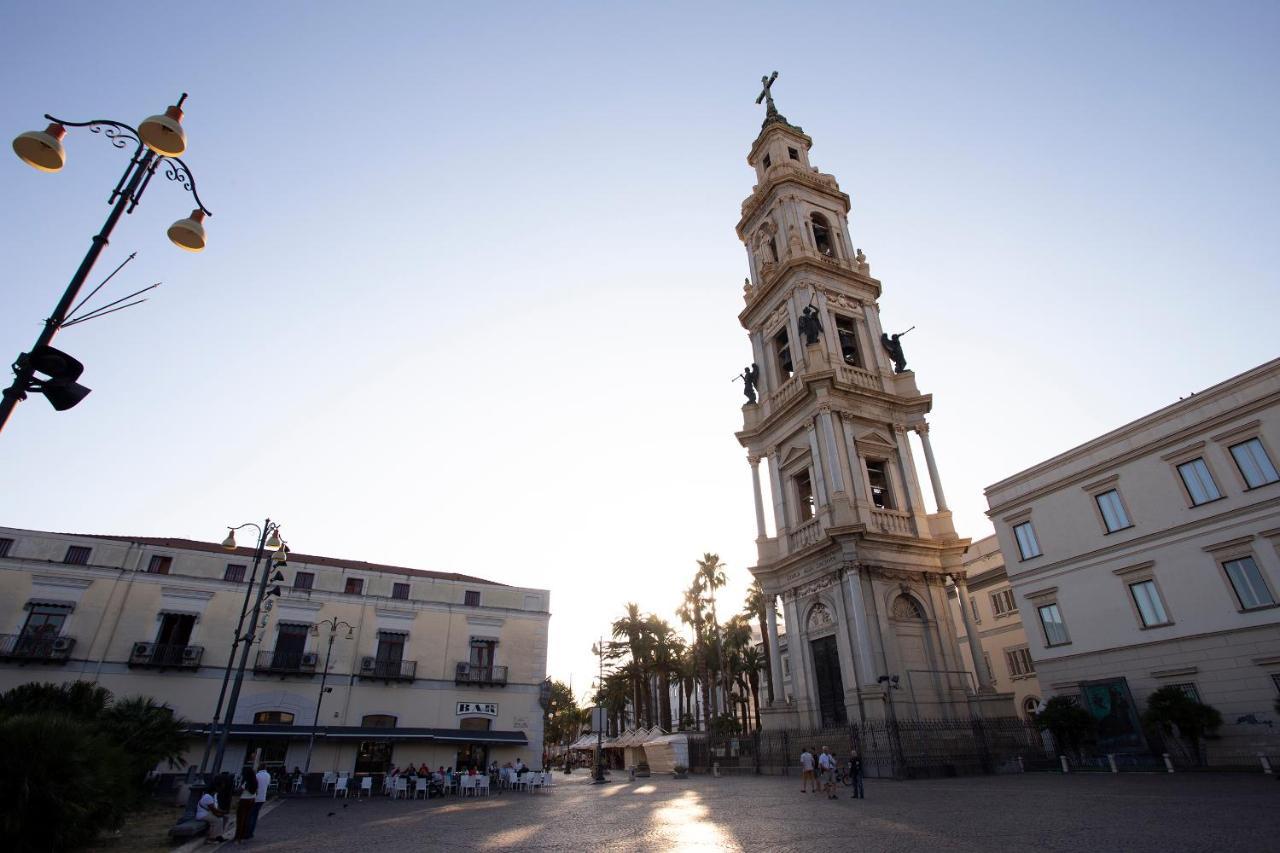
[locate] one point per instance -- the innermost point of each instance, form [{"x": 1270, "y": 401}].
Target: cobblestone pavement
[{"x": 1127, "y": 813}]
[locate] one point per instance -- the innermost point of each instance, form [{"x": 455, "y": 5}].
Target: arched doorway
[{"x": 829, "y": 684}]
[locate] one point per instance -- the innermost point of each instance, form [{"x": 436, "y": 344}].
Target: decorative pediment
[
  {"x": 795, "y": 456},
  {"x": 875, "y": 441}
]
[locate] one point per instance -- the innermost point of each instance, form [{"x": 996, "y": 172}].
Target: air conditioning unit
[
  {"x": 368, "y": 664},
  {"x": 139, "y": 650},
  {"x": 190, "y": 652},
  {"x": 309, "y": 659},
  {"x": 62, "y": 644}
]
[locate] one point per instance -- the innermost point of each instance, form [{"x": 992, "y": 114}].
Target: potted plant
[{"x": 680, "y": 771}]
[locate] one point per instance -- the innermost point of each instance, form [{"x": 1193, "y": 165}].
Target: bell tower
[{"x": 859, "y": 562}]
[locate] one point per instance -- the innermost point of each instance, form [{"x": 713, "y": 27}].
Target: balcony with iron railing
[
  {"x": 165, "y": 656},
  {"x": 388, "y": 670},
  {"x": 284, "y": 663},
  {"x": 469, "y": 673},
  {"x": 38, "y": 648}
]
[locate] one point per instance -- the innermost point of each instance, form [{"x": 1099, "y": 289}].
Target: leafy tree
[
  {"x": 1069, "y": 724},
  {"x": 757, "y": 607},
  {"x": 1170, "y": 706},
  {"x": 562, "y": 719},
  {"x": 711, "y": 576}
]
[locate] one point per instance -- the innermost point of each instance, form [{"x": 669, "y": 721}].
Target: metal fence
[{"x": 899, "y": 749}]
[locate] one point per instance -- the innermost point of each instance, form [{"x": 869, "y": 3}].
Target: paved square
[{"x": 1129, "y": 812}]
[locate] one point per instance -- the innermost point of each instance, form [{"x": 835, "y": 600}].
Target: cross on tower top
[{"x": 765, "y": 97}]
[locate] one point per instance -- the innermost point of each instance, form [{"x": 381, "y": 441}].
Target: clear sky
[{"x": 470, "y": 296}]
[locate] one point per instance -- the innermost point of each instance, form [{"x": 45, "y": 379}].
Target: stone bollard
[
  {"x": 631, "y": 771},
  {"x": 1065, "y": 768},
  {"x": 1111, "y": 759},
  {"x": 1266, "y": 764},
  {"x": 1022, "y": 767},
  {"x": 1168, "y": 762},
  {"x": 715, "y": 769}
]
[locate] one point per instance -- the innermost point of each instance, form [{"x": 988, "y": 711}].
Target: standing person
[
  {"x": 827, "y": 765},
  {"x": 806, "y": 772},
  {"x": 244, "y": 808},
  {"x": 259, "y": 797},
  {"x": 855, "y": 772}
]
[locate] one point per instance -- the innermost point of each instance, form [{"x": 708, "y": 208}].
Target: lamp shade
[
  {"x": 189, "y": 233},
  {"x": 273, "y": 541},
  {"x": 42, "y": 149},
  {"x": 230, "y": 542},
  {"x": 163, "y": 134}
]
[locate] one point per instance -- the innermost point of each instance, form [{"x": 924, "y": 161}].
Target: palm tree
[
  {"x": 665, "y": 648},
  {"x": 756, "y": 607},
  {"x": 692, "y": 614},
  {"x": 711, "y": 573},
  {"x": 749, "y": 665},
  {"x": 632, "y": 627}
]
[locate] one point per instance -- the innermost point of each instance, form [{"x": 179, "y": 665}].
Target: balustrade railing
[
  {"x": 892, "y": 521},
  {"x": 286, "y": 663},
  {"x": 468, "y": 673},
  {"x": 36, "y": 647},
  {"x": 806, "y": 534},
  {"x": 389, "y": 670},
  {"x": 165, "y": 656},
  {"x": 856, "y": 376}
]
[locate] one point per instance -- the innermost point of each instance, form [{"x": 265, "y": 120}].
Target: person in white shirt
[
  {"x": 827, "y": 763},
  {"x": 207, "y": 810},
  {"x": 806, "y": 772},
  {"x": 260, "y": 797}
]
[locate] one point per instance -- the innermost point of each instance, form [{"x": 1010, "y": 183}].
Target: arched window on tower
[{"x": 822, "y": 236}]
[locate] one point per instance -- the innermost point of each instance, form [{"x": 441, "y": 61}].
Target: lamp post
[
  {"x": 268, "y": 539},
  {"x": 159, "y": 140},
  {"x": 599, "y": 717},
  {"x": 333, "y": 622},
  {"x": 247, "y": 634}
]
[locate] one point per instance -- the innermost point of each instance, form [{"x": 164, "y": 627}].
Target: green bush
[
  {"x": 62, "y": 782},
  {"x": 74, "y": 761},
  {"x": 1070, "y": 725},
  {"x": 1171, "y": 706}
]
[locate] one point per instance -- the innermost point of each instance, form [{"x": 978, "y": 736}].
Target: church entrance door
[{"x": 826, "y": 669}]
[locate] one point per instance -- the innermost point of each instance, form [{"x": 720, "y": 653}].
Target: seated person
[
  {"x": 207, "y": 810},
  {"x": 422, "y": 770}
]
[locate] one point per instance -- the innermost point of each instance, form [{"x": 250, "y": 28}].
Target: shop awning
[{"x": 250, "y": 731}]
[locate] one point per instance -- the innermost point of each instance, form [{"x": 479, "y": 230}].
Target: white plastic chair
[
  {"x": 329, "y": 778},
  {"x": 420, "y": 787},
  {"x": 366, "y": 786},
  {"x": 468, "y": 783},
  {"x": 298, "y": 782},
  {"x": 549, "y": 779},
  {"x": 482, "y": 785},
  {"x": 340, "y": 786},
  {"x": 401, "y": 789},
  {"x": 533, "y": 780}
]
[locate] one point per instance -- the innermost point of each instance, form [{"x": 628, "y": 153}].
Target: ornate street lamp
[
  {"x": 158, "y": 141},
  {"x": 334, "y": 623}
]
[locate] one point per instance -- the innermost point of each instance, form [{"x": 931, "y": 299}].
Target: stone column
[
  {"x": 799, "y": 658},
  {"x": 775, "y": 485},
  {"x": 861, "y": 631},
  {"x": 922, "y": 430},
  {"x": 820, "y": 484},
  {"x": 832, "y": 457},
  {"x": 975, "y": 647},
  {"x": 754, "y": 461},
  {"x": 775, "y": 658}
]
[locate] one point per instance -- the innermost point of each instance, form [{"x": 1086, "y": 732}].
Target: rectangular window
[
  {"x": 1199, "y": 482},
  {"x": 1028, "y": 547},
  {"x": 399, "y": 590},
  {"x": 793, "y": 154},
  {"x": 5, "y": 545},
  {"x": 1113, "y": 514},
  {"x": 804, "y": 496},
  {"x": 1254, "y": 464},
  {"x": 782, "y": 347},
  {"x": 355, "y": 586},
  {"x": 1150, "y": 608},
  {"x": 1003, "y": 602},
  {"x": 44, "y": 621},
  {"x": 390, "y": 651},
  {"x": 77, "y": 555},
  {"x": 878, "y": 479},
  {"x": 304, "y": 580},
  {"x": 1189, "y": 690},
  {"x": 767, "y": 161},
  {"x": 471, "y": 598},
  {"x": 234, "y": 573},
  {"x": 973, "y": 608},
  {"x": 1055, "y": 630},
  {"x": 291, "y": 643},
  {"x": 482, "y": 653},
  {"x": 1246, "y": 579},
  {"x": 1019, "y": 662},
  {"x": 159, "y": 565},
  {"x": 845, "y": 332}
]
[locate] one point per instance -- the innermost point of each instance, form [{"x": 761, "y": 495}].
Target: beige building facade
[
  {"x": 432, "y": 667},
  {"x": 994, "y": 619},
  {"x": 860, "y": 562},
  {"x": 1150, "y": 556}
]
